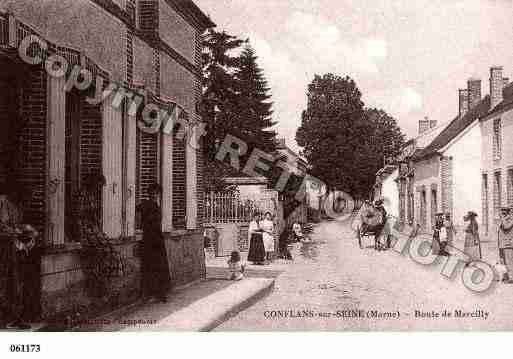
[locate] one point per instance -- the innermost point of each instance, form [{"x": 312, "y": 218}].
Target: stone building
[
  {"x": 497, "y": 153},
  {"x": 55, "y": 135},
  {"x": 406, "y": 170},
  {"x": 448, "y": 172}
]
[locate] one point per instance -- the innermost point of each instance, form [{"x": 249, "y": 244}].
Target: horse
[{"x": 370, "y": 221}]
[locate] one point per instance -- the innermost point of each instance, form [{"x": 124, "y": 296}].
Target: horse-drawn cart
[{"x": 371, "y": 223}]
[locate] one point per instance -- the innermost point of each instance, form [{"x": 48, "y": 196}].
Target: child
[
  {"x": 236, "y": 266},
  {"x": 298, "y": 233}
]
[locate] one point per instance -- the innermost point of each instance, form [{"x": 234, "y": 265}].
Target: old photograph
[{"x": 255, "y": 166}]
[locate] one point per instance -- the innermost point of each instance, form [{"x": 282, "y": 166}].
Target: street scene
[{"x": 261, "y": 166}]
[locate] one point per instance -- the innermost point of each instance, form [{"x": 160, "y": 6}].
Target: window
[
  {"x": 411, "y": 201},
  {"x": 510, "y": 187},
  {"x": 497, "y": 139},
  {"x": 423, "y": 209},
  {"x": 485, "y": 202},
  {"x": 497, "y": 193},
  {"x": 434, "y": 205},
  {"x": 72, "y": 161},
  {"x": 147, "y": 165}
]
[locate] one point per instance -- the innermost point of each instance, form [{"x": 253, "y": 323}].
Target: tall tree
[
  {"x": 254, "y": 107},
  {"x": 345, "y": 143},
  {"x": 388, "y": 138},
  {"x": 235, "y": 101},
  {"x": 219, "y": 89},
  {"x": 218, "y": 100}
]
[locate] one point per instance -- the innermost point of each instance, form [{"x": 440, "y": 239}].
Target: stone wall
[{"x": 63, "y": 282}]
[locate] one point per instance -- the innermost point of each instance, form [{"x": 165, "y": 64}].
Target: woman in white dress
[{"x": 267, "y": 226}]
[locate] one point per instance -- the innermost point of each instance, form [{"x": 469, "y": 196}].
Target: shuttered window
[
  {"x": 484, "y": 197},
  {"x": 497, "y": 139},
  {"x": 497, "y": 193},
  {"x": 510, "y": 186},
  {"x": 147, "y": 166},
  {"x": 179, "y": 184},
  {"x": 72, "y": 162}
]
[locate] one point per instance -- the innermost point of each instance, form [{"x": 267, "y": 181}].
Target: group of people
[
  {"x": 261, "y": 239},
  {"x": 261, "y": 236},
  {"x": 444, "y": 233}
]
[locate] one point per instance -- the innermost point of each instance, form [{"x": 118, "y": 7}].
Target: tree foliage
[
  {"x": 235, "y": 101},
  {"x": 345, "y": 143}
]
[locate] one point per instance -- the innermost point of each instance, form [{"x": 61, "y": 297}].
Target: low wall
[{"x": 63, "y": 283}]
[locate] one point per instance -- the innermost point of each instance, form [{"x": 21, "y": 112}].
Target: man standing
[
  {"x": 23, "y": 261},
  {"x": 505, "y": 241}
]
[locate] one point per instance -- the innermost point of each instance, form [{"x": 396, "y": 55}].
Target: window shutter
[
  {"x": 147, "y": 164},
  {"x": 179, "y": 183}
]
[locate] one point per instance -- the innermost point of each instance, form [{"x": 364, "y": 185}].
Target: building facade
[
  {"x": 412, "y": 176},
  {"x": 452, "y": 175},
  {"x": 387, "y": 188},
  {"x": 447, "y": 170},
  {"x": 497, "y": 156},
  {"x": 58, "y": 133}
]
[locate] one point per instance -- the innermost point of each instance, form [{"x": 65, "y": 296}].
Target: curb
[
  {"x": 209, "y": 312},
  {"x": 233, "y": 311}
]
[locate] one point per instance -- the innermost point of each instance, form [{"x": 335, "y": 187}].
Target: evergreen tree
[
  {"x": 218, "y": 101},
  {"x": 235, "y": 101},
  {"x": 253, "y": 106}
]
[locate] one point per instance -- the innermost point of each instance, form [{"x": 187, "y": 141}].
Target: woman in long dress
[
  {"x": 156, "y": 280},
  {"x": 472, "y": 243},
  {"x": 256, "y": 252},
  {"x": 267, "y": 226}
]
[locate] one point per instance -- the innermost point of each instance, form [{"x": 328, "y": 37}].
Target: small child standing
[{"x": 236, "y": 266}]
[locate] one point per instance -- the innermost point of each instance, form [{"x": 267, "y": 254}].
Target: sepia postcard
[{"x": 255, "y": 166}]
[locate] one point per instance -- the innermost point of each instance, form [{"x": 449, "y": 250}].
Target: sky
[{"x": 407, "y": 57}]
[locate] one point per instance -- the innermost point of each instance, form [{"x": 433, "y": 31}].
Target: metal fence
[{"x": 228, "y": 207}]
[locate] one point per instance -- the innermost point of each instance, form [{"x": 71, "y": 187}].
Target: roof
[
  {"x": 193, "y": 9},
  {"x": 457, "y": 125},
  {"x": 506, "y": 103}
]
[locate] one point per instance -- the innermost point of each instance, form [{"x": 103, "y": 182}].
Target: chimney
[
  {"x": 474, "y": 92},
  {"x": 423, "y": 125},
  {"x": 463, "y": 100},
  {"x": 496, "y": 85},
  {"x": 505, "y": 81}
]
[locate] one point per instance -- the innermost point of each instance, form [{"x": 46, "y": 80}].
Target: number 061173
[{"x": 24, "y": 348}]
